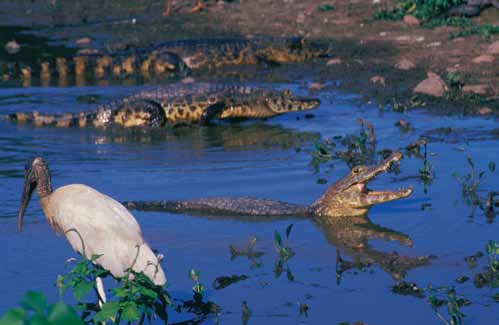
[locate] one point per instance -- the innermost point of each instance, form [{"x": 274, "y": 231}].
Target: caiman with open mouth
[
  {"x": 180, "y": 104},
  {"x": 341, "y": 214},
  {"x": 347, "y": 197}
]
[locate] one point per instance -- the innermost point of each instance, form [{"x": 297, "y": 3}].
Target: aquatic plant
[
  {"x": 36, "y": 310},
  {"x": 198, "y": 288},
  {"x": 471, "y": 181},
  {"x": 451, "y": 301},
  {"x": 135, "y": 298},
  {"x": 426, "y": 173},
  {"x": 285, "y": 253}
]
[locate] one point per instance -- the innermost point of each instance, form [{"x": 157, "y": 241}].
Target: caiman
[
  {"x": 341, "y": 213},
  {"x": 180, "y": 104},
  {"x": 181, "y": 56},
  {"x": 347, "y": 197}
]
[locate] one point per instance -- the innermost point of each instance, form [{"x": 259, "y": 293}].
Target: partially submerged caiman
[
  {"x": 341, "y": 213},
  {"x": 181, "y": 56},
  {"x": 179, "y": 104},
  {"x": 347, "y": 197}
]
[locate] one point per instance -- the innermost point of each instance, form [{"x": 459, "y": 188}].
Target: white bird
[{"x": 93, "y": 223}]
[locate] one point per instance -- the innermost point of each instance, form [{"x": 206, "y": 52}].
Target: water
[{"x": 255, "y": 159}]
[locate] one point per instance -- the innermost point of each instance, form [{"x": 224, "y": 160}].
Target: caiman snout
[
  {"x": 287, "y": 103},
  {"x": 350, "y": 196}
]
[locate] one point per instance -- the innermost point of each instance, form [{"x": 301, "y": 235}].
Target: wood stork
[{"x": 93, "y": 223}]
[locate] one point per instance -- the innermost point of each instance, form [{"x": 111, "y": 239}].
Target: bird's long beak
[{"x": 29, "y": 187}]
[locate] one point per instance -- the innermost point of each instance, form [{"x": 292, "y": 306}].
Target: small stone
[
  {"x": 382, "y": 34},
  {"x": 485, "y": 58},
  {"x": 462, "y": 279},
  {"x": 83, "y": 41},
  {"x": 493, "y": 48},
  {"x": 404, "y": 38},
  {"x": 334, "y": 61},
  {"x": 377, "y": 80},
  {"x": 484, "y": 110},
  {"x": 188, "y": 80},
  {"x": 419, "y": 38},
  {"x": 301, "y": 18},
  {"x": 481, "y": 89},
  {"x": 434, "y": 44},
  {"x": 12, "y": 47},
  {"x": 316, "y": 86},
  {"x": 411, "y": 20},
  {"x": 458, "y": 39},
  {"x": 405, "y": 64},
  {"x": 432, "y": 86},
  {"x": 87, "y": 51}
]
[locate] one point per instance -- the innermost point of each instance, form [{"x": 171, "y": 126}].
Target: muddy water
[{"x": 257, "y": 159}]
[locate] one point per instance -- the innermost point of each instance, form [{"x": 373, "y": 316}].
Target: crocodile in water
[{"x": 179, "y": 104}]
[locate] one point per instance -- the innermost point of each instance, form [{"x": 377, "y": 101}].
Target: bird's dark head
[{"x": 36, "y": 175}]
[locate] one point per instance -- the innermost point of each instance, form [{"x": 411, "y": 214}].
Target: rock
[
  {"x": 316, "y": 86},
  {"x": 12, "y": 47},
  {"x": 405, "y": 64},
  {"x": 485, "y": 58},
  {"x": 459, "y": 39},
  {"x": 493, "y": 48},
  {"x": 83, "y": 41},
  {"x": 188, "y": 80},
  {"x": 432, "y": 86},
  {"x": 87, "y": 51},
  {"x": 301, "y": 18},
  {"x": 377, "y": 80},
  {"x": 481, "y": 89},
  {"x": 334, "y": 61},
  {"x": 411, "y": 20},
  {"x": 484, "y": 110}
]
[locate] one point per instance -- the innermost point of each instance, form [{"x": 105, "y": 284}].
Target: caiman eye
[{"x": 356, "y": 170}]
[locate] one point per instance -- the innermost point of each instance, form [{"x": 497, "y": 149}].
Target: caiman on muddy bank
[
  {"x": 347, "y": 197},
  {"x": 179, "y": 57},
  {"x": 179, "y": 104}
]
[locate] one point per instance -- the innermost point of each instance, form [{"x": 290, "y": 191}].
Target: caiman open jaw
[{"x": 350, "y": 196}]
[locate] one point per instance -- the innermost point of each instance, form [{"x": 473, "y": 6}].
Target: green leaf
[
  {"x": 277, "y": 238},
  {"x": 120, "y": 292},
  {"x": 109, "y": 310},
  {"x": 148, "y": 293},
  {"x": 130, "y": 312},
  {"x": 160, "y": 310},
  {"x": 95, "y": 257},
  {"x": 15, "y": 316},
  {"x": 288, "y": 230},
  {"x": 194, "y": 275},
  {"x": 61, "y": 314},
  {"x": 35, "y": 301},
  {"x": 492, "y": 166},
  {"x": 39, "y": 319},
  {"x": 81, "y": 289},
  {"x": 326, "y": 7}
]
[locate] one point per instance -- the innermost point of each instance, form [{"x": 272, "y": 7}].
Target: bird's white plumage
[{"x": 106, "y": 227}]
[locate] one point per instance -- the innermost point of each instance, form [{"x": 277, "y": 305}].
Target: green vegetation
[
  {"x": 134, "y": 298},
  {"x": 35, "y": 310},
  {"x": 425, "y": 10},
  {"x": 285, "y": 253},
  {"x": 471, "y": 181},
  {"x": 452, "y": 302},
  {"x": 431, "y": 14}
]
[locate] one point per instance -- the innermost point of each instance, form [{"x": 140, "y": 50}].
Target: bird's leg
[{"x": 101, "y": 294}]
